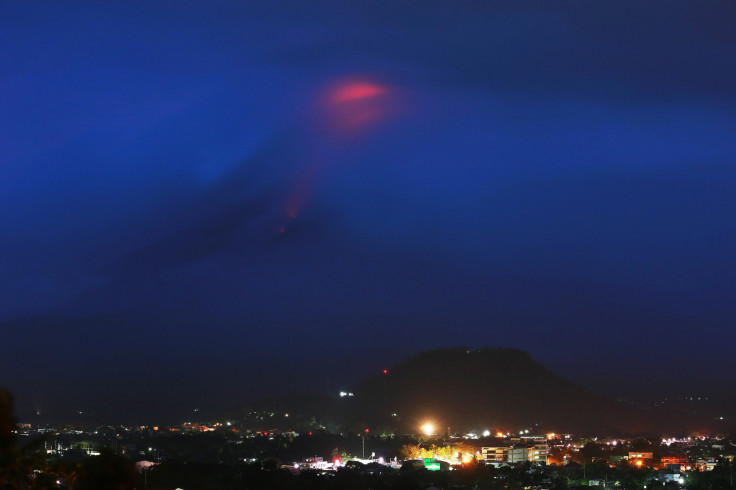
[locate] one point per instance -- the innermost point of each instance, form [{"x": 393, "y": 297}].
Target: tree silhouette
[{"x": 26, "y": 467}]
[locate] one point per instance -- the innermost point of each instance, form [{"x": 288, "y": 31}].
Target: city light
[{"x": 428, "y": 428}]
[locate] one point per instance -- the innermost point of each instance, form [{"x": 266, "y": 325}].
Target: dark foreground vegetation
[
  {"x": 267, "y": 475},
  {"x": 115, "y": 472}
]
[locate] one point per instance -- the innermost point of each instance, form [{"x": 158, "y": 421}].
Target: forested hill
[
  {"x": 461, "y": 389},
  {"x": 495, "y": 388}
]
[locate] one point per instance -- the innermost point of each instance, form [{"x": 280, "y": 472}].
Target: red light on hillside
[
  {"x": 367, "y": 430},
  {"x": 385, "y": 371}
]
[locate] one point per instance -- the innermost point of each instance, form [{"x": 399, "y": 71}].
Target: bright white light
[
  {"x": 486, "y": 433},
  {"x": 428, "y": 428}
]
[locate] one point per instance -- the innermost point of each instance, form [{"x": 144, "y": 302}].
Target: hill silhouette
[
  {"x": 462, "y": 389},
  {"x": 490, "y": 388}
]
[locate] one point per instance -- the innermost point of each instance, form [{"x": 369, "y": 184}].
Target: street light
[
  {"x": 427, "y": 428},
  {"x": 385, "y": 386},
  {"x": 363, "y": 436}
]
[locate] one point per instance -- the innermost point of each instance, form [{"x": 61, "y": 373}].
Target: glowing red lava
[
  {"x": 347, "y": 109},
  {"x": 354, "y": 91},
  {"x": 355, "y": 105}
]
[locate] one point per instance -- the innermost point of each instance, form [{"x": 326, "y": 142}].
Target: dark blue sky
[{"x": 193, "y": 184}]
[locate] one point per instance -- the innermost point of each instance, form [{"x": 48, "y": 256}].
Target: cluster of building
[
  {"x": 153, "y": 443},
  {"x": 515, "y": 450},
  {"x": 675, "y": 455},
  {"x": 674, "y": 462}
]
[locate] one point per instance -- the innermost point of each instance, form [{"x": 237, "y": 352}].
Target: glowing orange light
[
  {"x": 428, "y": 428},
  {"x": 499, "y": 434},
  {"x": 639, "y": 463}
]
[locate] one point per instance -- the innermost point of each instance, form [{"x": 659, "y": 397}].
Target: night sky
[{"x": 207, "y": 200}]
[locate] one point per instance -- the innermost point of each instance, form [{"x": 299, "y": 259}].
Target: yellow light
[
  {"x": 499, "y": 434},
  {"x": 427, "y": 428},
  {"x": 639, "y": 463}
]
